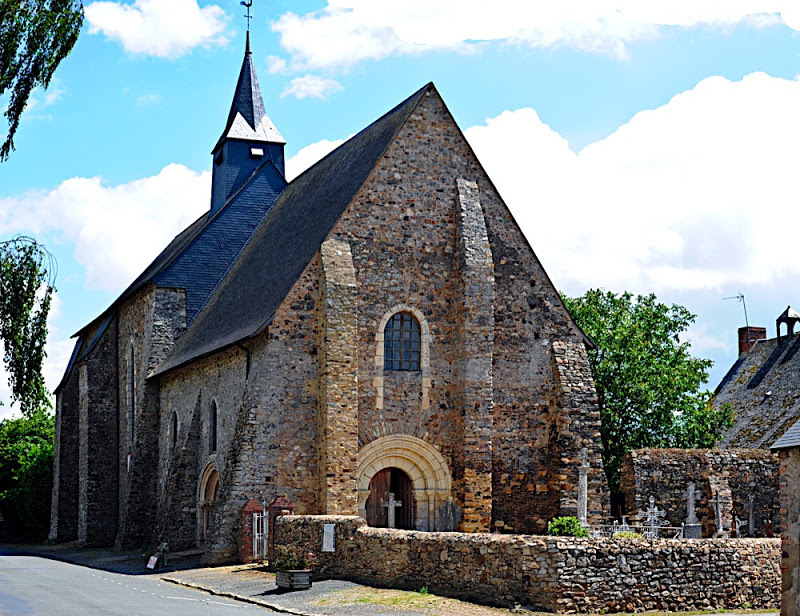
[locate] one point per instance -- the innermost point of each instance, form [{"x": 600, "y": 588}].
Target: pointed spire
[{"x": 247, "y": 118}]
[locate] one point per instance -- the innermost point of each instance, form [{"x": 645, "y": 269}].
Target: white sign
[
  {"x": 151, "y": 564},
  {"x": 328, "y": 534}
]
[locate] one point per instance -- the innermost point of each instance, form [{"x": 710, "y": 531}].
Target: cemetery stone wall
[
  {"x": 735, "y": 474},
  {"x": 559, "y": 574}
]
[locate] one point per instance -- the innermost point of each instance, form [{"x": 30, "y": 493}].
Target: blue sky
[{"x": 643, "y": 146}]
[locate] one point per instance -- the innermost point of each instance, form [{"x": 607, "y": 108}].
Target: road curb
[{"x": 231, "y": 595}]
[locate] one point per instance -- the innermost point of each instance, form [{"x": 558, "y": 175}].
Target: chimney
[{"x": 748, "y": 337}]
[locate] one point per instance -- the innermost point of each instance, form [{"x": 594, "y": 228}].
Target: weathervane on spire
[{"x": 248, "y": 16}]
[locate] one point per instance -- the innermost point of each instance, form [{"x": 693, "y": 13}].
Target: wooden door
[{"x": 397, "y": 482}]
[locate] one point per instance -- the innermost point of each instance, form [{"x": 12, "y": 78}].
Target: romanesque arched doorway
[
  {"x": 390, "y": 503},
  {"x": 422, "y": 465},
  {"x": 209, "y": 490}
]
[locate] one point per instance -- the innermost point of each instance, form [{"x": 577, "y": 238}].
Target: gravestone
[
  {"x": 448, "y": 516},
  {"x": 692, "y": 529}
]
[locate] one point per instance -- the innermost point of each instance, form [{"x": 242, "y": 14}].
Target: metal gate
[{"x": 259, "y": 536}]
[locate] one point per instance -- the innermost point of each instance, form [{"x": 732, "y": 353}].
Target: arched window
[
  {"x": 130, "y": 390},
  {"x": 401, "y": 342},
  {"x": 174, "y": 431},
  {"x": 212, "y": 428}
]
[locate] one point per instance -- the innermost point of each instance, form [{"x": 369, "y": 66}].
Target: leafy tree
[
  {"x": 649, "y": 386},
  {"x": 27, "y": 272},
  {"x": 35, "y": 36},
  {"x": 26, "y": 473}
]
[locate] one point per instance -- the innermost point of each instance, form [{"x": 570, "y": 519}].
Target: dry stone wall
[
  {"x": 557, "y": 574},
  {"x": 735, "y": 474}
]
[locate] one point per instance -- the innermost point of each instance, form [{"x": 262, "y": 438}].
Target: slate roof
[
  {"x": 790, "y": 438},
  {"x": 287, "y": 240},
  {"x": 247, "y": 118},
  {"x": 763, "y": 390}
]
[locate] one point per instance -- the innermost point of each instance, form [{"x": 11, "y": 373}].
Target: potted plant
[{"x": 293, "y": 567}]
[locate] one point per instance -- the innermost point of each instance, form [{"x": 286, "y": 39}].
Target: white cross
[{"x": 391, "y": 505}]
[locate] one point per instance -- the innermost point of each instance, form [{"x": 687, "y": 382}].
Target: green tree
[
  {"x": 35, "y": 36},
  {"x": 27, "y": 272},
  {"x": 649, "y": 387},
  {"x": 26, "y": 473}
]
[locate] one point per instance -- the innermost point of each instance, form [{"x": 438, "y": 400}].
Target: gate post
[
  {"x": 246, "y": 533},
  {"x": 276, "y": 508}
]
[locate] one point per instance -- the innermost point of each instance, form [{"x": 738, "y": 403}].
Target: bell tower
[{"x": 249, "y": 141}]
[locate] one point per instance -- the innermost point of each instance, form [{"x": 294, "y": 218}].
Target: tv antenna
[{"x": 740, "y": 297}]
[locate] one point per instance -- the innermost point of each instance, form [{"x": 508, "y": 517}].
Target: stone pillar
[
  {"x": 246, "y": 530},
  {"x": 337, "y": 417},
  {"x": 64, "y": 507},
  {"x": 473, "y": 369},
  {"x": 98, "y": 473}
]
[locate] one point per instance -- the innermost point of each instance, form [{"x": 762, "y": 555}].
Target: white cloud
[
  {"x": 162, "y": 28},
  {"x": 116, "y": 230},
  {"x": 692, "y": 195},
  {"x": 311, "y": 86},
  {"x": 349, "y": 31},
  {"x": 310, "y": 154},
  {"x": 148, "y": 99}
]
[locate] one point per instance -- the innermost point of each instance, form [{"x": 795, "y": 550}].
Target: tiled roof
[
  {"x": 287, "y": 240},
  {"x": 763, "y": 391}
]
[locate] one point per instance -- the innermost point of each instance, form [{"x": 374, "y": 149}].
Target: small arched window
[
  {"x": 212, "y": 428},
  {"x": 174, "y": 429},
  {"x": 130, "y": 390},
  {"x": 401, "y": 341}
]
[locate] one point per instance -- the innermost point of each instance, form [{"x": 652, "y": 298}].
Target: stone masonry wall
[
  {"x": 149, "y": 323},
  {"x": 790, "y": 530},
  {"x": 98, "y": 473},
  {"x": 557, "y": 574},
  {"x": 64, "y": 513},
  {"x": 274, "y": 447},
  {"x": 735, "y": 474},
  {"x": 403, "y": 232}
]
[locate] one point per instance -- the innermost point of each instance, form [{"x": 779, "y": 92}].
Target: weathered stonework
[
  {"x": 495, "y": 418},
  {"x": 790, "y": 530},
  {"x": 558, "y": 574},
  {"x": 734, "y": 474},
  {"x": 337, "y": 426}
]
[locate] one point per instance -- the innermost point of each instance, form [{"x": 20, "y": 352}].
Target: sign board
[
  {"x": 151, "y": 564},
  {"x": 328, "y": 534}
]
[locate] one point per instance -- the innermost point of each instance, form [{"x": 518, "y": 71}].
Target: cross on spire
[{"x": 248, "y": 17}]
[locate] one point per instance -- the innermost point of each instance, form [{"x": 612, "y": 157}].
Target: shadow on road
[{"x": 128, "y": 562}]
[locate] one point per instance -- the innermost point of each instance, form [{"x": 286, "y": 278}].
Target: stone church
[{"x": 378, "y": 325}]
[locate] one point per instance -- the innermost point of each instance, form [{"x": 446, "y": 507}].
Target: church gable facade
[{"x": 387, "y": 344}]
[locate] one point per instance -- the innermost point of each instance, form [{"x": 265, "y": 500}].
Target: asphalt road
[{"x": 30, "y": 585}]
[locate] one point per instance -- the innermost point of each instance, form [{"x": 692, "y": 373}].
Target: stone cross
[
  {"x": 692, "y": 528},
  {"x": 718, "y": 514},
  {"x": 583, "y": 486},
  {"x": 751, "y": 517},
  {"x": 391, "y": 505},
  {"x": 653, "y": 519}
]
